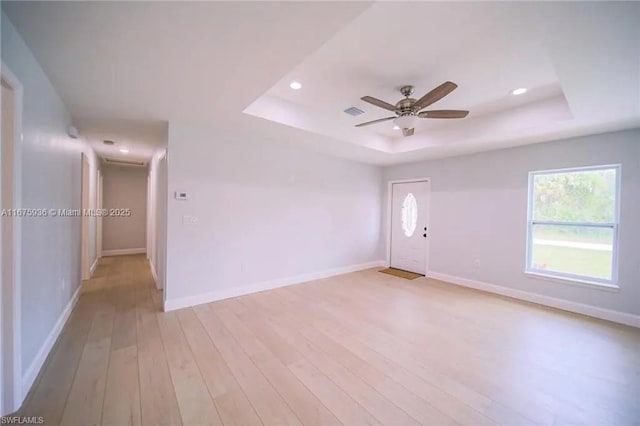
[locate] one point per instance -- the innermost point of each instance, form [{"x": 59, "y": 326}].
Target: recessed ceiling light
[
  {"x": 519, "y": 91},
  {"x": 124, "y": 150},
  {"x": 396, "y": 127},
  {"x": 295, "y": 85}
]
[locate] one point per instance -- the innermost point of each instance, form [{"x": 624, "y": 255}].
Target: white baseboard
[
  {"x": 122, "y": 252},
  {"x": 93, "y": 267},
  {"x": 154, "y": 274},
  {"x": 185, "y": 302},
  {"x": 566, "y": 305},
  {"x": 32, "y": 372}
]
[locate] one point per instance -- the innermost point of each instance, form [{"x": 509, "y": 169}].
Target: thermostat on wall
[{"x": 181, "y": 195}]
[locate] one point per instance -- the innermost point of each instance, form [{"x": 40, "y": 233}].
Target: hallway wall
[
  {"x": 51, "y": 179},
  {"x": 124, "y": 187}
]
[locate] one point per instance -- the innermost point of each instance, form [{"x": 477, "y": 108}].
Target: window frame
[{"x": 614, "y": 226}]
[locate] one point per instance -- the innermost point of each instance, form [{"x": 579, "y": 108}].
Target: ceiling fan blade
[
  {"x": 444, "y": 113},
  {"x": 435, "y": 95},
  {"x": 378, "y": 103},
  {"x": 408, "y": 132},
  {"x": 380, "y": 120}
]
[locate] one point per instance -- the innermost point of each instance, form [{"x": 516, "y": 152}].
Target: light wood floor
[{"x": 362, "y": 348}]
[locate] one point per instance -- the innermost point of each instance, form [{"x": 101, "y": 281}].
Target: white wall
[
  {"x": 266, "y": 210},
  {"x": 124, "y": 187},
  {"x": 51, "y": 178},
  {"x": 479, "y": 211}
]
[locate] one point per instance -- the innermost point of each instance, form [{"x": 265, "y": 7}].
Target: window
[
  {"x": 409, "y": 215},
  {"x": 573, "y": 224}
]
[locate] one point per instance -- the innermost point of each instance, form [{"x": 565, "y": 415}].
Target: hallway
[{"x": 99, "y": 347}]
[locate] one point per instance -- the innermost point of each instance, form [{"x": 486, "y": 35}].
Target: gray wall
[
  {"x": 124, "y": 187},
  {"x": 479, "y": 211}
]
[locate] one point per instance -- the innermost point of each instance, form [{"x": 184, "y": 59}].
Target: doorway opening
[
  {"x": 408, "y": 231},
  {"x": 10, "y": 163}
]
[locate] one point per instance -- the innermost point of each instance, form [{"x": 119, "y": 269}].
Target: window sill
[{"x": 573, "y": 281}]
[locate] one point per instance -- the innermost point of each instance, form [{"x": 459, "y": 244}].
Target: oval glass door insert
[{"x": 409, "y": 214}]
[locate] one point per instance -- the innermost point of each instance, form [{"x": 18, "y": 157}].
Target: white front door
[{"x": 409, "y": 233}]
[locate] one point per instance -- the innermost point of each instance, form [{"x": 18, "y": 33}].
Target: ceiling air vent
[
  {"x": 354, "y": 111},
  {"x": 118, "y": 162},
  {"x": 108, "y": 142}
]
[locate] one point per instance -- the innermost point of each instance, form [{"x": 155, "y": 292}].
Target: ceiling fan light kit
[
  {"x": 408, "y": 110},
  {"x": 406, "y": 121}
]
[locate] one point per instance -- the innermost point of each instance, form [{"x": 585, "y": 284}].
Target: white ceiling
[
  {"x": 392, "y": 45},
  {"x": 125, "y": 70},
  {"x": 579, "y": 61}
]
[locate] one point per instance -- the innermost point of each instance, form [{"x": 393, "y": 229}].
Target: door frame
[
  {"x": 85, "y": 205},
  {"x": 99, "y": 218},
  {"x": 10, "y": 337},
  {"x": 149, "y": 214},
  {"x": 390, "y": 218},
  {"x": 162, "y": 209}
]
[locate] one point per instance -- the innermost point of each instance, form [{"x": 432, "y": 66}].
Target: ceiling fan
[{"x": 408, "y": 110}]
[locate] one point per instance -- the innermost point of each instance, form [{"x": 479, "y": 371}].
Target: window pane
[
  {"x": 578, "y": 250},
  {"x": 581, "y": 196}
]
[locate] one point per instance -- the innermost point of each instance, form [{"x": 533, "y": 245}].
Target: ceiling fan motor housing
[{"x": 405, "y": 106}]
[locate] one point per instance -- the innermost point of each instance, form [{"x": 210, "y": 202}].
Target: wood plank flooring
[{"x": 358, "y": 349}]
